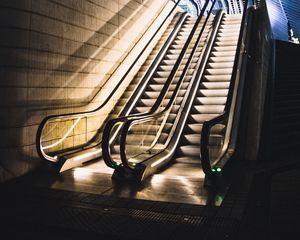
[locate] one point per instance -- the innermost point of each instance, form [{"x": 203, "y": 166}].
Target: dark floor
[
  {"x": 178, "y": 183},
  {"x": 262, "y": 201}
]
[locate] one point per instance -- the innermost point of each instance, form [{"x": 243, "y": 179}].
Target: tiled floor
[{"x": 181, "y": 183}]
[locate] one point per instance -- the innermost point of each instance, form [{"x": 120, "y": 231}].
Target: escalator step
[
  {"x": 230, "y": 26},
  {"x": 175, "y": 109},
  {"x": 122, "y": 101},
  {"x": 127, "y": 94},
  {"x": 159, "y": 87},
  {"x": 201, "y": 118},
  {"x": 162, "y": 74},
  {"x": 229, "y": 30},
  {"x": 213, "y": 93},
  {"x": 138, "y": 138},
  {"x": 190, "y": 151},
  {"x": 194, "y": 139},
  {"x": 171, "y": 117},
  {"x": 151, "y": 128},
  {"x": 189, "y": 160},
  {"x": 142, "y": 109},
  {"x": 210, "y": 100},
  {"x": 227, "y": 39},
  {"x": 217, "y": 78},
  {"x": 223, "y": 54},
  {"x": 162, "y": 80},
  {"x": 131, "y": 87},
  {"x": 154, "y": 95},
  {"x": 210, "y": 109},
  {"x": 233, "y": 34},
  {"x": 220, "y": 65},
  {"x": 178, "y": 51},
  {"x": 219, "y": 71},
  {"x": 222, "y": 59},
  {"x": 150, "y": 102},
  {"x": 225, "y": 43},
  {"x": 196, "y": 128},
  {"x": 224, "y": 48},
  {"x": 214, "y": 85}
]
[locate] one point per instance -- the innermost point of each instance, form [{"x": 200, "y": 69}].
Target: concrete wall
[{"x": 55, "y": 57}]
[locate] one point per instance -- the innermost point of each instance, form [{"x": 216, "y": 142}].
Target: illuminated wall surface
[{"x": 55, "y": 57}]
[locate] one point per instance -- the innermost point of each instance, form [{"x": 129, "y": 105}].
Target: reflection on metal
[
  {"x": 292, "y": 37},
  {"x": 86, "y": 155},
  {"x": 157, "y": 179},
  {"x": 218, "y": 200},
  {"x": 160, "y": 160},
  {"x": 81, "y": 173},
  {"x": 64, "y": 137}
]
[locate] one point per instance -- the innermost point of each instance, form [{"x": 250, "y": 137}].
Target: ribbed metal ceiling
[{"x": 292, "y": 10}]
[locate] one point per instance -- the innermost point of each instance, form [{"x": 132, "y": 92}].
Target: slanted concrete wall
[{"x": 56, "y": 56}]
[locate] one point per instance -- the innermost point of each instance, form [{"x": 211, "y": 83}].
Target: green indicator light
[
  {"x": 213, "y": 170},
  {"x": 219, "y": 169},
  {"x": 116, "y": 164}
]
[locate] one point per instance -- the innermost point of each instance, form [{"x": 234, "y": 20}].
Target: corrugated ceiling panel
[
  {"x": 278, "y": 20},
  {"x": 292, "y": 9}
]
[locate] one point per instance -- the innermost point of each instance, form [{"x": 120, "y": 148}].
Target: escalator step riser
[
  {"x": 226, "y": 60},
  {"x": 212, "y": 93},
  {"x": 210, "y": 109},
  {"x": 217, "y": 78},
  {"x": 224, "y": 71},
  {"x": 210, "y": 100},
  {"x": 223, "y": 54},
  {"x": 194, "y": 140},
  {"x": 220, "y": 65},
  {"x": 214, "y": 85}
]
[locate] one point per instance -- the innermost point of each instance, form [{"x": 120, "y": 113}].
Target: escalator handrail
[
  {"x": 243, "y": 45},
  {"x": 151, "y": 114},
  {"x": 77, "y": 115}
]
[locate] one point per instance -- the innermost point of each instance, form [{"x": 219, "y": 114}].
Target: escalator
[
  {"x": 212, "y": 93},
  {"x": 136, "y": 99},
  {"x": 156, "y": 84},
  {"x": 209, "y": 101},
  {"x": 148, "y": 133}
]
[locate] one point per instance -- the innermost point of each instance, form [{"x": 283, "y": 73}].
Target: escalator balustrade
[{"x": 212, "y": 93}]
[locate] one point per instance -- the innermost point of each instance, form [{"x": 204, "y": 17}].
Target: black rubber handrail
[
  {"x": 92, "y": 112},
  {"x": 210, "y": 169},
  {"x": 151, "y": 114}
]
